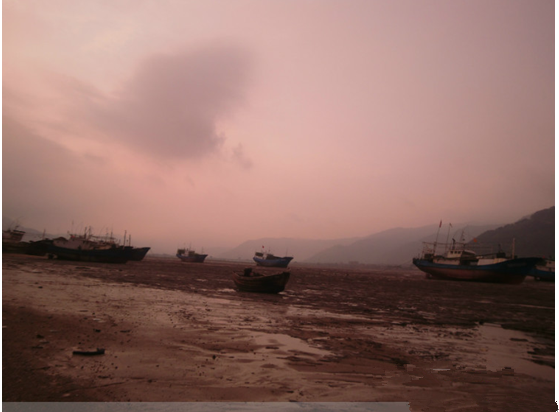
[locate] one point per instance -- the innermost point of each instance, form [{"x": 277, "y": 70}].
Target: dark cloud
[
  {"x": 171, "y": 105},
  {"x": 34, "y": 170},
  {"x": 43, "y": 179},
  {"x": 240, "y": 157}
]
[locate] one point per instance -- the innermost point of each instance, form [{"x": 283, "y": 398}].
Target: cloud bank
[{"x": 171, "y": 106}]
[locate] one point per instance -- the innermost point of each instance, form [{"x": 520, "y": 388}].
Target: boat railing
[{"x": 480, "y": 249}]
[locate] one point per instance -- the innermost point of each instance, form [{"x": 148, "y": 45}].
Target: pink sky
[{"x": 208, "y": 123}]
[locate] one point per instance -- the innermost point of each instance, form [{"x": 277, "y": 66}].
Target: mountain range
[{"x": 533, "y": 235}]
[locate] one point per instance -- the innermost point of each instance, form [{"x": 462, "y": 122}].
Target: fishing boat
[
  {"x": 544, "y": 270},
  {"x": 35, "y": 247},
  {"x": 459, "y": 263},
  {"x": 187, "y": 255},
  {"x": 249, "y": 281},
  {"x": 81, "y": 248},
  {"x": 11, "y": 241},
  {"x": 270, "y": 260},
  {"x": 138, "y": 253},
  {"x": 12, "y": 235}
]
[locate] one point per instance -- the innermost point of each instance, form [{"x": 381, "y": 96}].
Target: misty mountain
[
  {"x": 395, "y": 246},
  {"x": 301, "y": 249},
  {"x": 533, "y": 235}
]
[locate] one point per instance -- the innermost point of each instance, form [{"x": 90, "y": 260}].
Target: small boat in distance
[
  {"x": 269, "y": 260},
  {"x": 250, "y": 281},
  {"x": 187, "y": 255},
  {"x": 459, "y": 263}
]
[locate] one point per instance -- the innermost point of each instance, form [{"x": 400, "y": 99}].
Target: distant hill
[
  {"x": 301, "y": 249},
  {"x": 394, "y": 246},
  {"x": 533, "y": 235}
]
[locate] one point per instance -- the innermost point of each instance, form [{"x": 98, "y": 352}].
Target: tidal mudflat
[{"x": 180, "y": 332}]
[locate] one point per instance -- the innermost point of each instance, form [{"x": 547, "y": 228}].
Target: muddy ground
[{"x": 180, "y": 332}]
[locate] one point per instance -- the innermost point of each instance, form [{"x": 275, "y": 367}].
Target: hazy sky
[{"x": 208, "y": 123}]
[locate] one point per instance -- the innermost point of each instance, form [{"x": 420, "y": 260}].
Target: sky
[{"x": 207, "y": 123}]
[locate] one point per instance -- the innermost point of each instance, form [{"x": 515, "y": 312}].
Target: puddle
[
  {"x": 288, "y": 344},
  {"x": 297, "y": 311},
  {"x": 534, "y": 306},
  {"x": 518, "y": 304},
  {"x": 489, "y": 346},
  {"x": 426, "y": 315},
  {"x": 509, "y": 349}
]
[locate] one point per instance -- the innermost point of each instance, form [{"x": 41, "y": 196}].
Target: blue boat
[
  {"x": 187, "y": 255},
  {"x": 544, "y": 270},
  {"x": 458, "y": 263},
  {"x": 270, "y": 260}
]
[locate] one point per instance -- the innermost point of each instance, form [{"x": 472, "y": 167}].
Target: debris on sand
[{"x": 98, "y": 351}]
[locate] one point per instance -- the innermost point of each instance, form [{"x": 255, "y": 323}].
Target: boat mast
[
  {"x": 437, "y": 238},
  {"x": 447, "y": 236}
]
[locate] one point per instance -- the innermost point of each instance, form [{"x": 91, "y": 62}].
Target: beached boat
[
  {"x": 12, "y": 235},
  {"x": 458, "y": 263},
  {"x": 270, "y": 260},
  {"x": 138, "y": 253},
  {"x": 544, "y": 270},
  {"x": 34, "y": 247},
  {"x": 187, "y": 255},
  {"x": 250, "y": 281},
  {"x": 80, "y": 248},
  {"x": 11, "y": 241}
]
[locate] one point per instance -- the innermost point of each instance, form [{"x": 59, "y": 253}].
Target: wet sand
[{"x": 180, "y": 332}]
